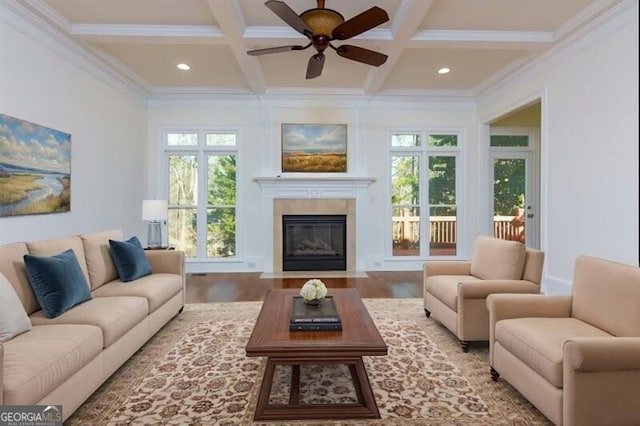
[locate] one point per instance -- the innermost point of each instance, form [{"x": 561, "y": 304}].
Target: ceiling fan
[{"x": 321, "y": 26}]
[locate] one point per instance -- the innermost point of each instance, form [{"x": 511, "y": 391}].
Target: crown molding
[
  {"x": 17, "y": 15},
  {"x": 118, "y": 30},
  {"x": 484, "y": 36},
  {"x": 598, "y": 21}
]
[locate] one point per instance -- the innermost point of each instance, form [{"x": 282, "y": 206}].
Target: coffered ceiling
[{"x": 479, "y": 40}]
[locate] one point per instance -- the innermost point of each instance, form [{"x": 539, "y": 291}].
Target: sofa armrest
[
  {"x": 446, "y": 267},
  {"x": 482, "y": 289},
  {"x": 1, "y": 374},
  {"x": 602, "y": 354},
  {"x": 505, "y": 306},
  {"x": 601, "y": 380},
  {"x": 166, "y": 261}
]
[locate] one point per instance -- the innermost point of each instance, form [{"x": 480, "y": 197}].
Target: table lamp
[{"x": 154, "y": 211}]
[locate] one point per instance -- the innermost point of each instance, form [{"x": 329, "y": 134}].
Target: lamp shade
[{"x": 154, "y": 210}]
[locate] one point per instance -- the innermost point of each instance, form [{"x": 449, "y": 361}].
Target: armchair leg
[
  {"x": 464, "y": 344},
  {"x": 494, "y": 374},
  {"x": 427, "y": 313}
]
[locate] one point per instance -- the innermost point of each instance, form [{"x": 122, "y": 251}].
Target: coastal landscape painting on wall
[
  {"x": 314, "y": 148},
  {"x": 35, "y": 168}
]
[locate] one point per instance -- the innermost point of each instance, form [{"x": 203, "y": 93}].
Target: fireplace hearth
[{"x": 314, "y": 242}]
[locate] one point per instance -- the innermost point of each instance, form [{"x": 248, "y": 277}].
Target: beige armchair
[
  {"x": 455, "y": 292},
  {"x": 576, "y": 358}
]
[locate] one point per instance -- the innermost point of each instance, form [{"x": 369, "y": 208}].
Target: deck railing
[{"x": 442, "y": 229}]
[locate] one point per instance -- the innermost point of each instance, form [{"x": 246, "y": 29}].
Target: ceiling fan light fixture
[
  {"x": 183, "y": 67},
  {"x": 444, "y": 70},
  {"x": 322, "y": 21}
]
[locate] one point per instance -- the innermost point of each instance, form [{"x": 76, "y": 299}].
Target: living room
[
  {"x": 115, "y": 137},
  {"x": 586, "y": 86}
]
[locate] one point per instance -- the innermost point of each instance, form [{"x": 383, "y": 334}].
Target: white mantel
[
  {"x": 322, "y": 193},
  {"x": 314, "y": 187}
]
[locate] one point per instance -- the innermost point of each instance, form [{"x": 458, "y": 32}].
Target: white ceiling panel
[
  {"x": 211, "y": 65},
  {"x": 477, "y": 39},
  {"x": 141, "y": 12},
  {"x": 418, "y": 68}
]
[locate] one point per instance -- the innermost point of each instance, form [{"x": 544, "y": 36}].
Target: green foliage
[
  {"x": 405, "y": 186},
  {"x": 509, "y": 185},
  {"x": 221, "y": 194},
  {"x": 442, "y": 180}
]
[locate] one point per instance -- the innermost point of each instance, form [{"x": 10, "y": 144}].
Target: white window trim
[
  {"x": 425, "y": 151},
  {"x": 202, "y": 150}
]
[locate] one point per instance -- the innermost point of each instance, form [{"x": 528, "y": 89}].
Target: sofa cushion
[
  {"x": 445, "y": 288},
  {"x": 606, "y": 294},
  {"x": 51, "y": 247},
  {"x": 156, "y": 288},
  {"x": 496, "y": 259},
  {"x": 100, "y": 266},
  {"x": 37, "y": 362},
  {"x": 538, "y": 342},
  {"x": 57, "y": 281},
  {"x": 115, "y": 316},
  {"x": 129, "y": 258},
  {"x": 12, "y": 266},
  {"x": 13, "y": 319}
]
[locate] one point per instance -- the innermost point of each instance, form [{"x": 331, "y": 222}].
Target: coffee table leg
[
  {"x": 363, "y": 387},
  {"x": 294, "y": 395},
  {"x": 365, "y": 408},
  {"x": 265, "y": 387}
]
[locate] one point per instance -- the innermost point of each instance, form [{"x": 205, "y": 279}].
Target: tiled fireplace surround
[{"x": 305, "y": 195}]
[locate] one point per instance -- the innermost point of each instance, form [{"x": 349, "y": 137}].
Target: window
[
  {"x": 424, "y": 179},
  {"x": 201, "y": 181}
]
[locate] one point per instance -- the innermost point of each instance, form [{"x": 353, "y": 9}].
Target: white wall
[
  {"x": 589, "y": 147},
  {"x": 368, "y": 129},
  {"x": 108, "y": 134}
]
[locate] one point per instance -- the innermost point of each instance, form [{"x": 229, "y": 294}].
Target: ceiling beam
[
  {"x": 404, "y": 25},
  {"x": 231, "y": 20}
]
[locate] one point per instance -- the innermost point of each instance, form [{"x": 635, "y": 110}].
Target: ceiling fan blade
[
  {"x": 360, "y": 54},
  {"x": 316, "y": 63},
  {"x": 287, "y": 14},
  {"x": 360, "y": 23},
  {"x": 279, "y": 49}
]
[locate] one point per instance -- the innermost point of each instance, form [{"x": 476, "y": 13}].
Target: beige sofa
[
  {"x": 455, "y": 292},
  {"x": 577, "y": 357},
  {"x": 63, "y": 360}
]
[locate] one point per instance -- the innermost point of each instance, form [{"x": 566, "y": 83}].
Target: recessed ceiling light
[
  {"x": 444, "y": 70},
  {"x": 184, "y": 67}
]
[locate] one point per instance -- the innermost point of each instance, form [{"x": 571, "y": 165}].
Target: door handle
[{"x": 530, "y": 215}]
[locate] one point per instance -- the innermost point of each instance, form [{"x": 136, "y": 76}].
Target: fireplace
[{"x": 314, "y": 242}]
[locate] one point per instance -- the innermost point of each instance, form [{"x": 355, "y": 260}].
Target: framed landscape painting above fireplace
[{"x": 314, "y": 148}]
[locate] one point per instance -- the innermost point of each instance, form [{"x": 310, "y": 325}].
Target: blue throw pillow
[
  {"x": 129, "y": 258},
  {"x": 57, "y": 282}
]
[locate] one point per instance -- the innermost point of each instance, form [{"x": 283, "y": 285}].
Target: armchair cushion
[
  {"x": 538, "y": 342},
  {"x": 496, "y": 259}
]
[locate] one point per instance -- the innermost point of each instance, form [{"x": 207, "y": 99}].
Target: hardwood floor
[{"x": 241, "y": 287}]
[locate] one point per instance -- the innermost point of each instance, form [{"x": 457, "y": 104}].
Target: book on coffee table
[{"x": 320, "y": 317}]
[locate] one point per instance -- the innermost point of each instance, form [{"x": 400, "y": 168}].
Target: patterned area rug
[{"x": 194, "y": 371}]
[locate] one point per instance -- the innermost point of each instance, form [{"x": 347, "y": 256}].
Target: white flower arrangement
[{"x": 313, "y": 290}]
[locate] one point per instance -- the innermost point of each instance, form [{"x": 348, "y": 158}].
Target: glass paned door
[{"x": 514, "y": 199}]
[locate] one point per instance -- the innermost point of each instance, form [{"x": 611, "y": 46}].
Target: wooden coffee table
[{"x": 271, "y": 338}]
